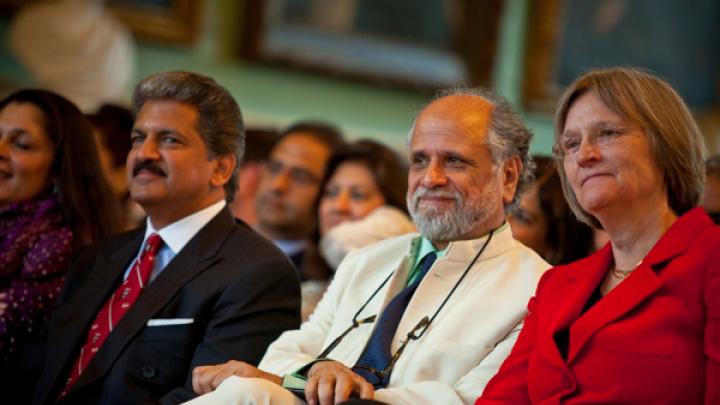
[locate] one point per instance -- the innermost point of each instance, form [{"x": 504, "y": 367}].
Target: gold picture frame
[
  {"x": 565, "y": 38},
  {"x": 169, "y": 21},
  {"x": 475, "y": 33}
]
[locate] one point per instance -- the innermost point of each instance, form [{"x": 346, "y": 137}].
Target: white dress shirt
[{"x": 175, "y": 236}]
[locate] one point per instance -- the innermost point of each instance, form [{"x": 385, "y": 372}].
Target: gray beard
[{"x": 455, "y": 223}]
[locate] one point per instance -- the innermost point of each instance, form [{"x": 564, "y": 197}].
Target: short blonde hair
[{"x": 645, "y": 100}]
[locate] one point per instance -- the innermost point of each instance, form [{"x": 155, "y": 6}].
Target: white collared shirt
[{"x": 175, "y": 236}]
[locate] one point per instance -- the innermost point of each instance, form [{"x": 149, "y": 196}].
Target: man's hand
[
  {"x": 207, "y": 378},
  {"x": 330, "y": 382}
]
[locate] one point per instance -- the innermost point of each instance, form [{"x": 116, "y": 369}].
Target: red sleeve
[{"x": 712, "y": 325}]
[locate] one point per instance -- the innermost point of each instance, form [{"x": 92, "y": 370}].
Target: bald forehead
[{"x": 469, "y": 114}]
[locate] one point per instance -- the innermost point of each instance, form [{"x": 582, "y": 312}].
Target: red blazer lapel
[
  {"x": 639, "y": 285},
  {"x": 569, "y": 297}
]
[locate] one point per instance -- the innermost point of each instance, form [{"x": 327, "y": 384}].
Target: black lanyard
[{"x": 424, "y": 322}]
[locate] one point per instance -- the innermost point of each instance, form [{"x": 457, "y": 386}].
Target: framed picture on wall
[
  {"x": 423, "y": 44},
  {"x": 678, "y": 40},
  {"x": 169, "y": 21}
]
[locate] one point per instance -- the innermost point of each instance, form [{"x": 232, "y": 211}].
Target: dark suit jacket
[
  {"x": 310, "y": 264},
  {"x": 654, "y": 339},
  {"x": 239, "y": 289}
]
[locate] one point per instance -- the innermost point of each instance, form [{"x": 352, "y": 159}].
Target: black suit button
[{"x": 148, "y": 371}]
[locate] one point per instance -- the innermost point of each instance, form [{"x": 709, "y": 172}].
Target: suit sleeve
[
  {"x": 250, "y": 314},
  {"x": 509, "y": 386},
  {"x": 296, "y": 348},
  {"x": 712, "y": 327}
]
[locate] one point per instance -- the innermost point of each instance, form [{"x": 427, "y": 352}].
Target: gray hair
[
  {"x": 220, "y": 121},
  {"x": 507, "y": 135}
]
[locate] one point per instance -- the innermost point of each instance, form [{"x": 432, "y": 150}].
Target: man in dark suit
[{"x": 193, "y": 286}]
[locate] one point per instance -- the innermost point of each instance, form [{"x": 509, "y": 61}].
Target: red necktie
[{"x": 115, "y": 308}]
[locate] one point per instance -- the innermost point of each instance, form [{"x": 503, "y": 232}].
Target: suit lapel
[
  {"x": 446, "y": 272},
  {"x": 430, "y": 294},
  {"x": 635, "y": 289},
  {"x": 79, "y": 312},
  {"x": 580, "y": 281},
  {"x": 400, "y": 274},
  {"x": 641, "y": 284},
  {"x": 199, "y": 254}
]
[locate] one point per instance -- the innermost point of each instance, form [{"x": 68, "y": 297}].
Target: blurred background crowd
[{"x": 328, "y": 90}]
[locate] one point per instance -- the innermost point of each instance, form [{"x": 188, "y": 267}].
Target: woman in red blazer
[{"x": 638, "y": 322}]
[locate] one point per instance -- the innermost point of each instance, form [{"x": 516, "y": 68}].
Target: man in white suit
[{"x": 469, "y": 163}]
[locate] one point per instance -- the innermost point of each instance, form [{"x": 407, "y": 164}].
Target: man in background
[
  {"x": 258, "y": 144},
  {"x": 289, "y": 189}
]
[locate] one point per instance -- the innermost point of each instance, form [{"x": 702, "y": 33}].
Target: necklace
[{"x": 621, "y": 274}]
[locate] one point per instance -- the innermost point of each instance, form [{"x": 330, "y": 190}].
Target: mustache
[
  {"x": 420, "y": 192},
  {"x": 426, "y": 192},
  {"x": 148, "y": 165}
]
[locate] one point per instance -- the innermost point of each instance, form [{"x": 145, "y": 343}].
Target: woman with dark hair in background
[
  {"x": 362, "y": 201},
  {"x": 711, "y": 194},
  {"x": 53, "y": 199},
  {"x": 637, "y": 322},
  {"x": 544, "y": 221},
  {"x": 113, "y": 125}
]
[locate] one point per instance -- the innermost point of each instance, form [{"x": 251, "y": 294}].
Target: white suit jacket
[{"x": 462, "y": 348}]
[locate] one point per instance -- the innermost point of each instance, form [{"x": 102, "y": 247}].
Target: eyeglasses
[
  {"x": 355, "y": 324},
  {"x": 376, "y": 377},
  {"x": 603, "y": 136}
]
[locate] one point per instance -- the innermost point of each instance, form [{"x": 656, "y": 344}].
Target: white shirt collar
[{"x": 179, "y": 233}]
